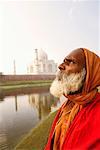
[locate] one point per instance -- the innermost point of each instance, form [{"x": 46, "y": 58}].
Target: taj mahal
[{"x": 41, "y": 64}]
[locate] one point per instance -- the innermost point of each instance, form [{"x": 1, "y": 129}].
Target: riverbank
[
  {"x": 9, "y": 85},
  {"x": 37, "y": 137}
]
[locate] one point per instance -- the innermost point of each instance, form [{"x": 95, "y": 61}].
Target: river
[{"x": 20, "y": 111}]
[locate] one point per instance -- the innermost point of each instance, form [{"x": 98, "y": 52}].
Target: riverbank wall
[
  {"x": 4, "y": 78},
  {"x": 13, "y": 82}
]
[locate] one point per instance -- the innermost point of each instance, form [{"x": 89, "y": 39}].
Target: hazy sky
[{"x": 55, "y": 26}]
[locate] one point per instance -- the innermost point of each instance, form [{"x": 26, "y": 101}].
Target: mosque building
[{"x": 41, "y": 64}]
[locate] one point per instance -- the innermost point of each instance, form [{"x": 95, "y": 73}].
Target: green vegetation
[
  {"x": 37, "y": 138},
  {"x": 6, "y": 83},
  {"x": 20, "y": 84}
]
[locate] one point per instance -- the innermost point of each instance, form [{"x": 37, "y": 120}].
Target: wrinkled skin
[{"x": 73, "y": 63}]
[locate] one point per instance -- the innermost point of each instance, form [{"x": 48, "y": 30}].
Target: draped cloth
[{"x": 76, "y": 102}]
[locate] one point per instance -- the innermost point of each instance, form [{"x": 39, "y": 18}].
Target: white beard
[{"x": 64, "y": 84}]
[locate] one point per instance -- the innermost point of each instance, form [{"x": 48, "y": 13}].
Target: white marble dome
[
  {"x": 42, "y": 55},
  {"x": 41, "y": 64}
]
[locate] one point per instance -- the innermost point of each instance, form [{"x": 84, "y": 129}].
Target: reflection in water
[
  {"x": 20, "y": 113},
  {"x": 16, "y": 107},
  {"x": 42, "y": 102}
]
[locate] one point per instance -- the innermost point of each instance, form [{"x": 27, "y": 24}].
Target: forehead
[{"x": 77, "y": 55}]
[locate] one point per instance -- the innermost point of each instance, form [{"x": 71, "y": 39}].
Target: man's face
[
  {"x": 73, "y": 63},
  {"x": 71, "y": 75}
]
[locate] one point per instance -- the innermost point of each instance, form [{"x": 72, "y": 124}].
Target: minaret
[
  {"x": 36, "y": 67},
  {"x": 14, "y": 64},
  {"x": 36, "y": 55}
]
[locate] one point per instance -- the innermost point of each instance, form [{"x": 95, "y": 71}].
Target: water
[{"x": 20, "y": 111}]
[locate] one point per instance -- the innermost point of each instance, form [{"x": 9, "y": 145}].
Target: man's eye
[
  {"x": 65, "y": 61},
  {"x": 71, "y": 62}
]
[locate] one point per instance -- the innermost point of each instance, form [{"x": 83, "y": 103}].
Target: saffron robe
[{"x": 84, "y": 132}]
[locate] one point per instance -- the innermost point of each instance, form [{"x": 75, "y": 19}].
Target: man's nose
[{"x": 61, "y": 66}]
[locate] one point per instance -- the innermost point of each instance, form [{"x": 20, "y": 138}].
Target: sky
[{"x": 57, "y": 27}]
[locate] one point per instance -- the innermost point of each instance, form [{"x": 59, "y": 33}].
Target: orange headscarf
[{"x": 77, "y": 101}]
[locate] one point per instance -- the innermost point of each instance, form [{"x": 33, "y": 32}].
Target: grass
[
  {"x": 22, "y": 84},
  {"x": 37, "y": 138},
  {"x": 8, "y": 83}
]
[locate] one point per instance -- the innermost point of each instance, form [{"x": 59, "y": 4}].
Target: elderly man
[{"x": 77, "y": 123}]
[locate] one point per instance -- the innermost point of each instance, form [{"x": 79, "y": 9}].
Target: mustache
[{"x": 60, "y": 75}]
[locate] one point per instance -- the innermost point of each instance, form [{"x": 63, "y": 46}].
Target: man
[{"x": 77, "y": 123}]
